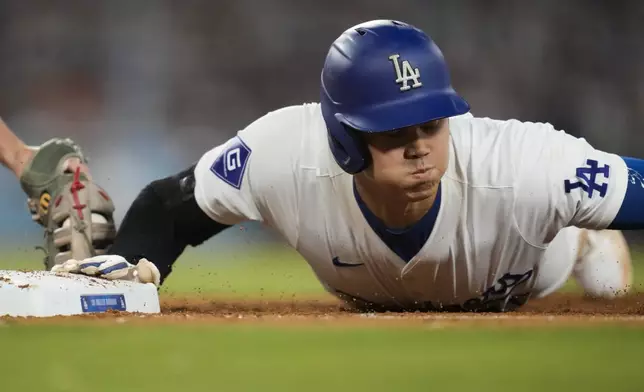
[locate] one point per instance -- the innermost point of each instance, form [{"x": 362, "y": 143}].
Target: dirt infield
[
  {"x": 557, "y": 309},
  {"x": 557, "y": 304}
]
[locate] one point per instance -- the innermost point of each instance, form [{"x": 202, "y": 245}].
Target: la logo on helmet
[{"x": 406, "y": 73}]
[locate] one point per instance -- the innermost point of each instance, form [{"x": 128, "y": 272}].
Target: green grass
[{"x": 251, "y": 358}]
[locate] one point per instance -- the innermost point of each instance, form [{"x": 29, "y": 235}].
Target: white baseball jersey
[{"x": 510, "y": 187}]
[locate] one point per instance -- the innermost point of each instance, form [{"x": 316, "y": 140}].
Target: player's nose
[{"x": 418, "y": 145}]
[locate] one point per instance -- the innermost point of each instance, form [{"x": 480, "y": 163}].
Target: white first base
[{"x": 46, "y": 294}]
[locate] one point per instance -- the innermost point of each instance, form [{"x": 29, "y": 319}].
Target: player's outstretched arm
[{"x": 247, "y": 178}]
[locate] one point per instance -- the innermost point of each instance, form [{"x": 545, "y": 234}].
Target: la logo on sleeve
[{"x": 588, "y": 179}]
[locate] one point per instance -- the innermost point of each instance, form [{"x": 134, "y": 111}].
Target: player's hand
[{"x": 112, "y": 267}]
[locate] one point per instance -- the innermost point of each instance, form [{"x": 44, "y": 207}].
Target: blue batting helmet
[{"x": 379, "y": 76}]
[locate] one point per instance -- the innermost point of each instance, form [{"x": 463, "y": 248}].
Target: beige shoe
[{"x": 604, "y": 268}]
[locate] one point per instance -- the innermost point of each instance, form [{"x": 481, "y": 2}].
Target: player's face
[{"x": 411, "y": 159}]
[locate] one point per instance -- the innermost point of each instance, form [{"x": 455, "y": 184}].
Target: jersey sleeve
[
  {"x": 249, "y": 176},
  {"x": 563, "y": 181},
  {"x": 222, "y": 183}
]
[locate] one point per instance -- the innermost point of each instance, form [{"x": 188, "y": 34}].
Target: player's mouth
[{"x": 421, "y": 171}]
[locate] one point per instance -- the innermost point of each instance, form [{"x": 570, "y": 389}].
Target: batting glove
[{"x": 112, "y": 267}]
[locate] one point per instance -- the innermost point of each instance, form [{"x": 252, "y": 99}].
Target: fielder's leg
[{"x": 599, "y": 260}]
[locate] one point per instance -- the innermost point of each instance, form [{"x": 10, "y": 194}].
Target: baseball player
[
  {"x": 396, "y": 195},
  {"x": 76, "y": 213}
]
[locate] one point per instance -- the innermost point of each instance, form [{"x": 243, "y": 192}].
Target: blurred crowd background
[{"x": 147, "y": 86}]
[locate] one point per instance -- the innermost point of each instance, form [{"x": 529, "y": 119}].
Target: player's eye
[
  {"x": 431, "y": 127},
  {"x": 395, "y": 134}
]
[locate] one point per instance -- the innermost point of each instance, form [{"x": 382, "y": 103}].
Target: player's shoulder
[
  {"x": 279, "y": 135},
  {"x": 294, "y": 136},
  {"x": 488, "y": 151},
  {"x": 284, "y": 124},
  {"x": 491, "y": 133},
  {"x": 269, "y": 149}
]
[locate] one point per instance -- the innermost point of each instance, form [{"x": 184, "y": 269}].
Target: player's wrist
[{"x": 18, "y": 159}]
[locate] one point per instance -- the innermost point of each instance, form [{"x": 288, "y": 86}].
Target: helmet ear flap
[
  {"x": 360, "y": 145},
  {"x": 351, "y": 153}
]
